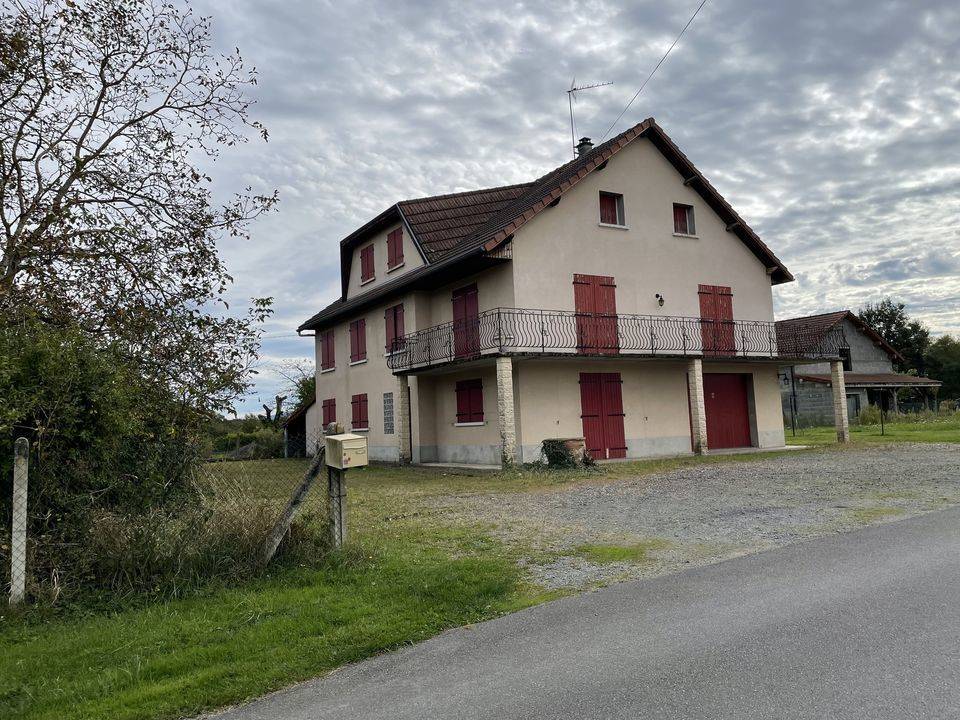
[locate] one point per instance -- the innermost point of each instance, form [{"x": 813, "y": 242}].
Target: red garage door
[
  {"x": 728, "y": 417},
  {"x": 601, "y": 409}
]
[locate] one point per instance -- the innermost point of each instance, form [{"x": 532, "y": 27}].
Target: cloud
[{"x": 833, "y": 127}]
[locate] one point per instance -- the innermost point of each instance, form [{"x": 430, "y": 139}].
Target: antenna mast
[{"x": 571, "y": 96}]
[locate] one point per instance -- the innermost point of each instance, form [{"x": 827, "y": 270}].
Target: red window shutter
[
  {"x": 391, "y": 328},
  {"x": 362, "y": 338},
  {"x": 364, "y": 419},
  {"x": 366, "y": 263},
  {"x": 354, "y": 344},
  {"x": 680, "y": 219},
  {"x": 470, "y": 401},
  {"x": 326, "y": 350},
  {"x": 395, "y": 248},
  {"x": 355, "y": 410},
  {"x": 608, "y": 209},
  {"x": 400, "y": 331},
  {"x": 329, "y": 411}
]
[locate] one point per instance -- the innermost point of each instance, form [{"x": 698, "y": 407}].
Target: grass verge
[
  {"x": 632, "y": 553},
  {"x": 933, "y": 431},
  {"x": 181, "y": 657}
]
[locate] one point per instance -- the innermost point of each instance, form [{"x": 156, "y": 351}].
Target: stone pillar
[
  {"x": 402, "y": 420},
  {"x": 698, "y": 413},
  {"x": 840, "y": 418},
  {"x": 505, "y": 415}
]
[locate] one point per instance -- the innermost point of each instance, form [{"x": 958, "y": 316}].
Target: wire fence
[{"x": 216, "y": 525}]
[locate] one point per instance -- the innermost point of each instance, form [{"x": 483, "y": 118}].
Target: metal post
[
  {"x": 18, "y": 536},
  {"x": 337, "y": 504}
]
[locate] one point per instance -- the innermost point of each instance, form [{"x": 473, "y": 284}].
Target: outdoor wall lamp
[{"x": 659, "y": 298}]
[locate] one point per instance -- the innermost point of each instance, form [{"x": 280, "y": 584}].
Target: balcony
[{"x": 518, "y": 331}]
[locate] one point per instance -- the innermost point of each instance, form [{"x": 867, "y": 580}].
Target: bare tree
[{"x": 107, "y": 108}]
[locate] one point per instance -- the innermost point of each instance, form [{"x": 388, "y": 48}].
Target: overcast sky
[{"x": 832, "y": 127}]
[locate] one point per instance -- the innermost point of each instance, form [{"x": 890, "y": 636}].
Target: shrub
[{"x": 870, "y": 415}]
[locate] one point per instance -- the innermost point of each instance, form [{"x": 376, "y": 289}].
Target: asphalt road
[{"x": 859, "y": 625}]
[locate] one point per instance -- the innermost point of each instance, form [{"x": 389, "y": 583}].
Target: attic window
[
  {"x": 395, "y": 249},
  {"x": 366, "y": 264},
  {"x": 683, "y": 223},
  {"x": 846, "y": 359},
  {"x": 611, "y": 209}
]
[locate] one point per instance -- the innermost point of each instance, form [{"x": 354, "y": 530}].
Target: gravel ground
[{"x": 712, "y": 512}]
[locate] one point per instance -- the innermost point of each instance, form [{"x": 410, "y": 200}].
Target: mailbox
[{"x": 346, "y": 451}]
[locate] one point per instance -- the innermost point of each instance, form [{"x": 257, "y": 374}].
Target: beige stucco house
[{"x": 617, "y": 298}]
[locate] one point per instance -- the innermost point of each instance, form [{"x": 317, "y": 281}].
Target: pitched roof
[
  {"x": 851, "y": 379},
  {"x": 442, "y": 222},
  {"x": 815, "y": 328},
  {"x": 447, "y": 227}
]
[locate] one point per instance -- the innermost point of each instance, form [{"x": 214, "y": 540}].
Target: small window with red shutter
[
  {"x": 366, "y": 264},
  {"x": 683, "y": 220},
  {"x": 469, "y": 401},
  {"x": 393, "y": 320},
  {"x": 395, "y": 249},
  {"x": 328, "y": 360},
  {"x": 359, "y": 419},
  {"x": 358, "y": 340},
  {"x": 611, "y": 209},
  {"x": 329, "y": 411}
]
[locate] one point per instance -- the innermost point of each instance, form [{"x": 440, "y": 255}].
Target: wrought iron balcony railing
[{"x": 517, "y": 331}]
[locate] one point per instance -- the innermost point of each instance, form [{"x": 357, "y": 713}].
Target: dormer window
[
  {"x": 366, "y": 264},
  {"x": 611, "y": 209},
  {"x": 683, "y": 223},
  {"x": 395, "y": 249}
]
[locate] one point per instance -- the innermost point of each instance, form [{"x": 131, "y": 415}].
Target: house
[
  {"x": 869, "y": 377},
  {"x": 301, "y": 430},
  {"x": 618, "y": 298}
]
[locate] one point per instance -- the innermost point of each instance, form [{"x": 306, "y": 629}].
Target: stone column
[
  {"x": 402, "y": 420},
  {"x": 505, "y": 415},
  {"x": 840, "y": 418},
  {"x": 698, "y": 413}
]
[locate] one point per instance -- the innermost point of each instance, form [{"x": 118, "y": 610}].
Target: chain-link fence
[{"x": 216, "y": 526}]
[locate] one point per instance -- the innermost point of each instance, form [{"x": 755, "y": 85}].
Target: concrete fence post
[
  {"x": 337, "y": 505},
  {"x": 18, "y": 536}
]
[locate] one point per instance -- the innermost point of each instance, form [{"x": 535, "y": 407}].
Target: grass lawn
[
  {"x": 946, "y": 430},
  {"x": 408, "y": 573}
]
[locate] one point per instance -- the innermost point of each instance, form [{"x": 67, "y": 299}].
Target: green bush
[
  {"x": 870, "y": 415},
  {"x": 121, "y": 501}
]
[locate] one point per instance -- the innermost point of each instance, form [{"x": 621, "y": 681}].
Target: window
[
  {"x": 395, "y": 248},
  {"x": 388, "y": 413},
  {"x": 358, "y": 340},
  {"x": 366, "y": 264},
  {"x": 359, "y": 405},
  {"x": 329, "y": 411},
  {"x": 393, "y": 319},
  {"x": 847, "y": 360},
  {"x": 611, "y": 209},
  {"x": 469, "y": 401},
  {"x": 328, "y": 358},
  {"x": 683, "y": 220}
]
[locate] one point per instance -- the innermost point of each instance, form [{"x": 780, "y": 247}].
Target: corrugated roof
[{"x": 852, "y": 379}]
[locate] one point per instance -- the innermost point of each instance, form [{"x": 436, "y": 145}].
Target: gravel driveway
[{"x": 709, "y": 512}]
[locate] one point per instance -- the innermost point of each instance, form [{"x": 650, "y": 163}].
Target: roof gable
[
  {"x": 445, "y": 228},
  {"x": 817, "y": 326}
]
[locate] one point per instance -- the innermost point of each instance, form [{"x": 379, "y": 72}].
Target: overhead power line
[{"x": 655, "y": 68}]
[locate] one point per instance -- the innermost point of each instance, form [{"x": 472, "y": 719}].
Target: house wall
[
  {"x": 815, "y": 403},
  {"x": 411, "y": 260},
  {"x": 312, "y": 428},
  {"x": 440, "y": 438},
  {"x": 645, "y": 259},
  {"x": 655, "y": 402},
  {"x": 372, "y": 377}
]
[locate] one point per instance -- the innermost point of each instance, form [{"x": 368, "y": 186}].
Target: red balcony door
[
  {"x": 466, "y": 322},
  {"x": 716, "y": 320},
  {"x": 728, "y": 415},
  {"x": 595, "y": 301},
  {"x": 601, "y": 410}
]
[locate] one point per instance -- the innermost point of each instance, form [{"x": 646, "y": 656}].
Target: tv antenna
[{"x": 571, "y": 96}]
